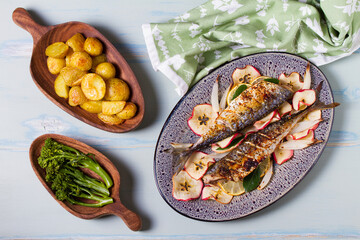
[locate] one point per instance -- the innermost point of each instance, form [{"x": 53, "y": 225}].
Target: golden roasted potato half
[
  {"x": 97, "y": 60},
  {"x": 68, "y": 57},
  {"x": 57, "y": 50},
  {"x": 106, "y": 70},
  {"x": 61, "y": 89},
  {"x": 72, "y": 76},
  {"x": 93, "y": 46},
  {"x": 110, "y": 119},
  {"x": 112, "y": 107},
  {"x": 93, "y": 86},
  {"x": 129, "y": 111},
  {"x": 81, "y": 60},
  {"x": 76, "y": 96},
  {"x": 117, "y": 90},
  {"x": 76, "y": 42},
  {"x": 55, "y": 64},
  {"x": 92, "y": 106}
]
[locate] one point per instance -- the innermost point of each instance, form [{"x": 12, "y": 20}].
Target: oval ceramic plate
[{"x": 285, "y": 177}]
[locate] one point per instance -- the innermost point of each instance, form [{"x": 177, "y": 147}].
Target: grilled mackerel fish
[
  {"x": 257, "y": 146},
  {"x": 251, "y": 105}
]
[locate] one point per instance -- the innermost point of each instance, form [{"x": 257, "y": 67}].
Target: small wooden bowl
[
  {"x": 43, "y": 36},
  {"x": 132, "y": 220}
]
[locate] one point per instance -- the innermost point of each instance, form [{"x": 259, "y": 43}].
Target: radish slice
[
  {"x": 186, "y": 188},
  {"x": 197, "y": 164},
  {"x": 307, "y": 77},
  {"x": 303, "y": 98},
  {"x": 215, "y": 96},
  {"x": 202, "y": 118},
  {"x": 267, "y": 177},
  {"x": 282, "y": 155},
  {"x": 215, "y": 193},
  {"x": 285, "y": 108},
  {"x": 245, "y": 75},
  {"x": 293, "y": 80}
]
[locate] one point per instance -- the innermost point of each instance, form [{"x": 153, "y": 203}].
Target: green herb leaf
[
  {"x": 233, "y": 143},
  {"x": 252, "y": 180},
  {"x": 273, "y": 80},
  {"x": 238, "y": 91}
]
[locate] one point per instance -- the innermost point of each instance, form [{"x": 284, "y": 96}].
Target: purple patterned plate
[{"x": 285, "y": 177}]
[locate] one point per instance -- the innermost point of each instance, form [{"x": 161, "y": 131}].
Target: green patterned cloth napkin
[{"x": 187, "y": 47}]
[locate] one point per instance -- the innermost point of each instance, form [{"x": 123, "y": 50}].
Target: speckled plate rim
[{"x": 318, "y": 148}]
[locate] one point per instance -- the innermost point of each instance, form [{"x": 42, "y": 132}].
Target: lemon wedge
[
  {"x": 235, "y": 91},
  {"x": 231, "y": 187}
]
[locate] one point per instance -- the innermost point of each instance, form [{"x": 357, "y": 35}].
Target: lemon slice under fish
[
  {"x": 235, "y": 91},
  {"x": 231, "y": 187},
  {"x": 260, "y": 78},
  {"x": 264, "y": 166}
]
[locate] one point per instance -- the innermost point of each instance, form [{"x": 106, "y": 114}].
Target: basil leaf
[
  {"x": 238, "y": 91},
  {"x": 233, "y": 143},
  {"x": 252, "y": 180},
  {"x": 273, "y": 80}
]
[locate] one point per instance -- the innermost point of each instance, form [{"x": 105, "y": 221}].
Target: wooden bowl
[
  {"x": 43, "y": 36},
  {"x": 131, "y": 219}
]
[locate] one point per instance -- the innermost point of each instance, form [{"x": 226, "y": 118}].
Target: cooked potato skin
[
  {"x": 57, "y": 50},
  {"x": 129, "y": 111},
  {"x": 117, "y": 90},
  {"x": 81, "y": 60},
  {"x": 112, "y": 107},
  {"x": 71, "y": 75},
  {"x": 97, "y": 60},
  {"x": 76, "y": 42},
  {"x": 93, "y": 86},
  {"x": 68, "y": 57},
  {"x": 55, "y": 64},
  {"x": 61, "y": 89},
  {"x": 106, "y": 70},
  {"x": 76, "y": 96},
  {"x": 110, "y": 119},
  {"x": 93, "y": 46},
  {"x": 92, "y": 106}
]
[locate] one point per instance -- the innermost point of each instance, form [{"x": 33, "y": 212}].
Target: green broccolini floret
[{"x": 61, "y": 163}]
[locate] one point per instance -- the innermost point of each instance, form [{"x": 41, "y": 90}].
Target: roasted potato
[
  {"x": 72, "y": 76},
  {"x": 117, "y": 90},
  {"x": 97, "y": 60},
  {"x": 81, "y": 60},
  {"x": 112, "y": 107},
  {"x": 93, "y": 46},
  {"x": 92, "y": 106},
  {"x": 55, "y": 64},
  {"x": 76, "y": 96},
  {"x": 68, "y": 57},
  {"x": 106, "y": 70},
  {"x": 57, "y": 50},
  {"x": 110, "y": 119},
  {"x": 93, "y": 86},
  {"x": 129, "y": 111},
  {"x": 61, "y": 89},
  {"x": 76, "y": 42}
]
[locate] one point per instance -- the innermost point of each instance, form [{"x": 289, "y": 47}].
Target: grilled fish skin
[
  {"x": 257, "y": 146},
  {"x": 251, "y": 105}
]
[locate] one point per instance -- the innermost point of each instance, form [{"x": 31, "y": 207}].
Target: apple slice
[
  {"x": 225, "y": 142},
  {"x": 303, "y": 98},
  {"x": 304, "y": 125},
  {"x": 215, "y": 96},
  {"x": 293, "y": 80},
  {"x": 282, "y": 155},
  {"x": 267, "y": 177},
  {"x": 245, "y": 75},
  {"x": 197, "y": 164},
  {"x": 228, "y": 144},
  {"x": 307, "y": 77},
  {"x": 313, "y": 115},
  {"x": 186, "y": 188},
  {"x": 284, "y": 108},
  {"x": 215, "y": 193},
  {"x": 262, "y": 123},
  {"x": 202, "y": 118}
]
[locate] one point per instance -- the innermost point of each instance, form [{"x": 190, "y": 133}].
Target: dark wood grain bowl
[
  {"x": 43, "y": 36},
  {"x": 131, "y": 219}
]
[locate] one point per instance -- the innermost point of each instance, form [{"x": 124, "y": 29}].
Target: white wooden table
[{"x": 324, "y": 205}]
